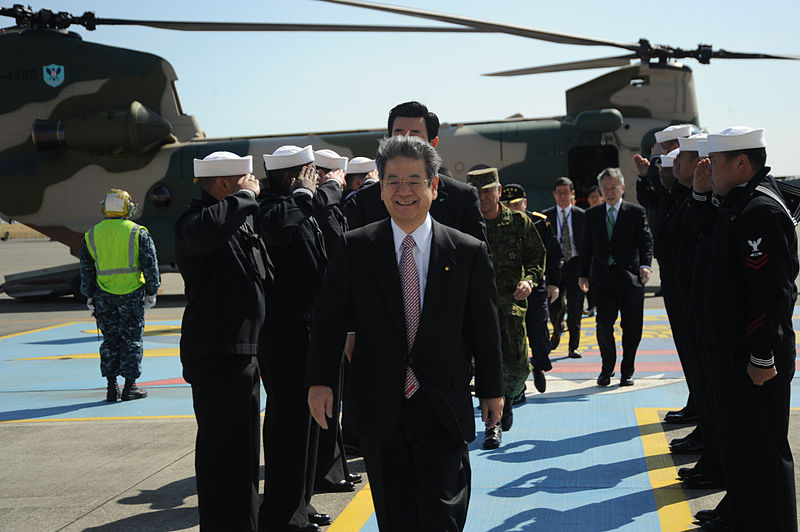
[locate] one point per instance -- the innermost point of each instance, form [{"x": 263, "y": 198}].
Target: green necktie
[
  {"x": 566, "y": 245},
  {"x": 610, "y": 231}
]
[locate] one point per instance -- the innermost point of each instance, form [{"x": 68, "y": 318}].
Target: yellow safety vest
[{"x": 114, "y": 246}]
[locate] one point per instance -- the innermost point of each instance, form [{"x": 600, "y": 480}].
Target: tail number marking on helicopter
[{"x": 19, "y": 75}]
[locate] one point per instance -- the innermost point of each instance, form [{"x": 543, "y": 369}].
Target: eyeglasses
[
  {"x": 609, "y": 189},
  {"x": 413, "y": 183}
]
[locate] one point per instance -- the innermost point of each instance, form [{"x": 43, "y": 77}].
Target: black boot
[
  {"x": 492, "y": 437},
  {"x": 131, "y": 392},
  {"x": 112, "y": 391},
  {"x": 508, "y": 415}
]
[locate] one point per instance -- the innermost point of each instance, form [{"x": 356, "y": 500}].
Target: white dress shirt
[{"x": 423, "y": 236}]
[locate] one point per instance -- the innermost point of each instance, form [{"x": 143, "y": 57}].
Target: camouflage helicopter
[{"x": 76, "y": 115}]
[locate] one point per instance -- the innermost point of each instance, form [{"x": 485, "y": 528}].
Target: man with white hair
[
  {"x": 224, "y": 266},
  {"x": 617, "y": 248},
  {"x": 297, "y": 219},
  {"x": 749, "y": 295}
]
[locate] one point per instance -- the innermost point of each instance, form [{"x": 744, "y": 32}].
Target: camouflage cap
[
  {"x": 512, "y": 192},
  {"x": 483, "y": 178}
]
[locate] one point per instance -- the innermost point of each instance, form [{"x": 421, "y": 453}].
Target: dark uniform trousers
[
  {"x": 621, "y": 296},
  {"x": 290, "y": 436},
  {"x": 574, "y": 296},
  {"x": 758, "y": 465},
  {"x": 226, "y": 395},
  {"x": 414, "y": 470},
  {"x": 536, "y": 325}
]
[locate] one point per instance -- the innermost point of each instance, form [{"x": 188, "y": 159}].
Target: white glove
[
  {"x": 149, "y": 301},
  {"x": 90, "y": 304}
]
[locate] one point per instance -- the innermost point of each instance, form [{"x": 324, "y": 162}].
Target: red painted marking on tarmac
[
  {"x": 163, "y": 382},
  {"x": 593, "y": 367}
]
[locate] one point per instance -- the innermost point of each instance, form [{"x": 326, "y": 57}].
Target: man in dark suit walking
[
  {"x": 427, "y": 306},
  {"x": 617, "y": 249},
  {"x": 456, "y": 203},
  {"x": 567, "y": 220}
]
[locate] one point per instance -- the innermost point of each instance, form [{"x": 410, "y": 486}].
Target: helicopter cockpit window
[{"x": 161, "y": 197}]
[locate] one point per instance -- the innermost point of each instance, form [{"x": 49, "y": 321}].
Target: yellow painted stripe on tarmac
[
  {"x": 119, "y": 418},
  {"x": 148, "y": 353},
  {"x": 673, "y": 509},
  {"x": 38, "y": 330},
  {"x": 355, "y": 513}
]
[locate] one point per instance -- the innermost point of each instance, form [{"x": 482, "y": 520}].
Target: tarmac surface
[{"x": 578, "y": 458}]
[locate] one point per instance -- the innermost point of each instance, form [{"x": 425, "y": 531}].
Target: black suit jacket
[
  {"x": 456, "y": 205},
  {"x": 458, "y": 320},
  {"x": 578, "y": 223},
  {"x": 631, "y": 243}
]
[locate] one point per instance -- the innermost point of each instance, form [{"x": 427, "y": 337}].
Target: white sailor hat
[
  {"x": 330, "y": 159},
  {"x": 702, "y": 149},
  {"x": 736, "y": 138},
  {"x": 690, "y": 143},
  {"x": 360, "y": 165},
  {"x": 674, "y": 132},
  {"x": 289, "y": 156},
  {"x": 223, "y": 163},
  {"x": 668, "y": 160}
]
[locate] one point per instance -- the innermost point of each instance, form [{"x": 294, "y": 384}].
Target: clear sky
[{"x": 270, "y": 83}]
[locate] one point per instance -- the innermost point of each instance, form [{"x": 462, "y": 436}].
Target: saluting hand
[
  {"x": 249, "y": 182},
  {"x": 702, "y": 176},
  {"x": 641, "y": 164},
  {"x": 337, "y": 174},
  {"x": 320, "y": 403},
  {"x": 306, "y": 179}
]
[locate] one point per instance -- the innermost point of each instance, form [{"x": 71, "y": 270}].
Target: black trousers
[
  {"x": 754, "y": 424},
  {"x": 420, "y": 479},
  {"x": 618, "y": 296},
  {"x": 290, "y": 435},
  {"x": 226, "y": 397},
  {"x": 569, "y": 290},
  {"x": 536, "y": 326},
  {"x": 331, "y": 463},
  {"x": 681, "y": 327}
]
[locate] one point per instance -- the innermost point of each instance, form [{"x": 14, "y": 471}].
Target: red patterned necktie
[{"x": 409, "y": 276}]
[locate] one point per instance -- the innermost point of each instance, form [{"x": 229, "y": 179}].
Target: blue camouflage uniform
[{"x": 121, "y": 316}]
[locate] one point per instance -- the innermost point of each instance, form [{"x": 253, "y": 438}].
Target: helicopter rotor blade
[
  {"x": 520, "y": 31},
  {"x": 247, "y": 26},
  {"x": 605, "y": 62},
  {"x": 725, "y": 54}
]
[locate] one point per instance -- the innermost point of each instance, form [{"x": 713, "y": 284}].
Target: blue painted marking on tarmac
[{"x": 570, "y": 462}]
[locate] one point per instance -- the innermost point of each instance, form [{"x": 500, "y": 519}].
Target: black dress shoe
[
  {"x": 717, "y": 523},
  {"x": 521, "y": 399},
  {"x": 687, "y": 446},
  {"x": 681, "y": 416},
  {"x": 508, "y": 415},
  {"x": 574, "y": 353},
  {"x": 320, "y": 519},
  {"x": 555, "y": 339},
  {"x": 706, "y": 515},
  {"x": 492, "y": 437},
  {"x": 626, "y": 381},
  {"x": 699, "y": 481},
  {"x": 686, "y": 472},
  {"x": 539, "y": 381},
  {"x": 343, "y": 486},
  {"x": 355, "y": 478},
  {"x": 603, "y": 380},
  {"x": 305, "y": 527}
]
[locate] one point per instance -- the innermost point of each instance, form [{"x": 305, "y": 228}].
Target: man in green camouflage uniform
[{"x": 518, "y": 256}]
